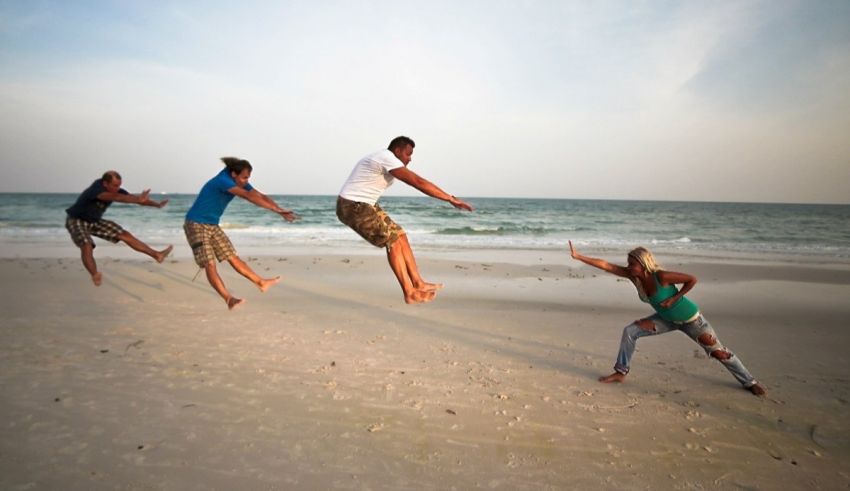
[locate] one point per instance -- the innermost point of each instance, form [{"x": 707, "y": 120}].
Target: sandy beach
[{"x": 329, "y": 381}]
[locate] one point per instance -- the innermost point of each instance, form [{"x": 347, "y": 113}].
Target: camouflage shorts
[
  {"x": 81, "y": 230},
  {"x": 208, "y": 242},
  {"x": 369, "y": 221}
]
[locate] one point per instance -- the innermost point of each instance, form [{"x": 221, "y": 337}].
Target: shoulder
[
  {"x": 385, "y": 159},
  {"x": 673, "y": 277},
  {"x": 94, "y": 189},
  {"x": 223, "y": 179}
]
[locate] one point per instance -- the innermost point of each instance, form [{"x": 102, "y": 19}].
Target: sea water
[{"x": 33, "y": 222}]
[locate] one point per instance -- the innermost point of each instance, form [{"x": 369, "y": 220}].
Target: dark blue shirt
[
  {"x": 213, "y": 199},
  {"x": 88, "y": 207}
]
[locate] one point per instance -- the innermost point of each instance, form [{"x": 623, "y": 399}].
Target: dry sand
[{"x": 329, "y": 381}]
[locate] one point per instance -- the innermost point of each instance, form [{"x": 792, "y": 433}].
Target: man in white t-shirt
[{"x": 357, "y": 207}]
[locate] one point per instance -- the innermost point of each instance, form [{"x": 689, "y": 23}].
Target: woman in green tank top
[{"x": 673, "y": 312}]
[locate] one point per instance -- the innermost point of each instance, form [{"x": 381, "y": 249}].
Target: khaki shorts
[
  {"x": 81, "y": 231},
  {"x": 208, "y": 242},
  {"x": 369, "y": 221}
]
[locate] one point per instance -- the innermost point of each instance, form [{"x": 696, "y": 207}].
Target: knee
[{"x": 707, "y": 339}]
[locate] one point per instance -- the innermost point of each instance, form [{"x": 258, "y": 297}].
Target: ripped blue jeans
[{"x": 699, "y": 330}]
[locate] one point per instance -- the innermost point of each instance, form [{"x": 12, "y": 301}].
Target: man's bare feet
[
  {"x": 161, "y": 255},
  {"x": 419, "y": 296},
  {"x": 757, "y": 389},
  {"x": 266, "y": 283},
  {"x": 429, "y": 287},
  {"x": 614, "y": 377},
  {"x": 234, "y": 302},
  {"x": 97, "y": 278}
]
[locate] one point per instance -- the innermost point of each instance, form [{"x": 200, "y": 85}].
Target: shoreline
[{"x": 504, "y": 255}]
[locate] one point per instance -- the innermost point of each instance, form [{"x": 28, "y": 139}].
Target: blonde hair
[{"x": 646, "y": 259}]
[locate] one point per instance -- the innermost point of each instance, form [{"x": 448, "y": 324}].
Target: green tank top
[{"x": 681, "y": 311}]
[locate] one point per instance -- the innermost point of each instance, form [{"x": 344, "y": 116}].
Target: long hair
[
  {"x": 650, "y": 265},
  {"x": 236, "y": 165},
  {"x": 646, "y": 259}
]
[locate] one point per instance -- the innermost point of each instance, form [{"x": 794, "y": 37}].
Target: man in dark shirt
[{"x": 85, "y": 218}]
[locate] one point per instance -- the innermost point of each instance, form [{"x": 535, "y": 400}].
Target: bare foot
[
  {"x": 419, "y": 297},
  {"x": 234, "y": 302},
  {"x": 614, "y": 377},
  {"x": 161, "y": 255},
  {"x": 429, "y": 287},
  {"x": 757, "y": 389},
  {"x": 267, "y": 283},
  {"x": 97, "y": 278}
]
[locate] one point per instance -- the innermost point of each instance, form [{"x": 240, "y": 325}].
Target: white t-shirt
[{"x": 371, "y": 177}]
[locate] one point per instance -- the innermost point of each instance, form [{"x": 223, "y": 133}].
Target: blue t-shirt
[
  {"x": 88, "y": 207},
  {"x": 213, "y": 199}
]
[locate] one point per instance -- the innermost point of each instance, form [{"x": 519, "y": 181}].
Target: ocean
[{"x": 30, "y": 223}]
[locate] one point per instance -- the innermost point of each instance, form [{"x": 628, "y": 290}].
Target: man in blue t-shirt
[
  {"x": 85, "y": 218},
  {"x": 208, "y": 241}
]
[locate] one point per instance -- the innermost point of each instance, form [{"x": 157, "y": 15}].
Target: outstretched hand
[
  {"x": 460, "y": 204},
  {"x": 143, "y": 196},
  {"x": 573, "y": 252},
  {"x": 288, "y": 215},
  {"x": 160, "y": 204}
]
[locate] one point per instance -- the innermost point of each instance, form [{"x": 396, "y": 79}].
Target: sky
[{"x": 649, "y": 100}]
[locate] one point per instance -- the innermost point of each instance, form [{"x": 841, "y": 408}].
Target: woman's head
[
  {"x": 240, "y": 170},
  {"x": 642, "y": 261}
]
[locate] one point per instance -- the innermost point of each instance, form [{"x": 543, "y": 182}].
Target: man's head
[
  {"x": 111, "y": 181},
  {"x": 240, "y": 170},
  {"x": 402, "y": 148}
]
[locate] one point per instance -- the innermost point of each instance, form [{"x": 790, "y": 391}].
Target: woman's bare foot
[
  {"x": 266, "y": 283},
  {"x": 161, "y": 255},
  {"x": 97, "y": 278},
  {"x": 614, "y": 377},
  {"x": 419, "y": 296},
  {"x": 757, "y": 389},
  {"x": 234, "y": 302}
]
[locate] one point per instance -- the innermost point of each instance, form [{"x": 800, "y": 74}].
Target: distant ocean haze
[{"x": 496, "y": 223}]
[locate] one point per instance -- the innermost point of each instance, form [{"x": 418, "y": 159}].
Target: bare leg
[
  {"x": 614, "y": 377},
  {"x": 138, "y": 245},
  {"x": 87, "y": 255},
  {"x": 218, "y": 286},
  {"x": 412, "y": 269},
  {"x": 242, "y": 268},
  {"x": 396, "y": 257}
]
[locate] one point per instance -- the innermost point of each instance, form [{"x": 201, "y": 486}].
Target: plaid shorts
[
  {"x": 81, "y": 231},
  {"x": 369, "y": 221},
  {"x": 208, "y": 242}
]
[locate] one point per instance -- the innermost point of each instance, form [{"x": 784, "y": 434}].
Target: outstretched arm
[
  {"x": 598, "y": 263},
  {"x": 142, "y": 198},
  {"x": 263, "y": 201},
  {"x": 673, "y": 278},
  {"x": 413, "y": 179}
]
